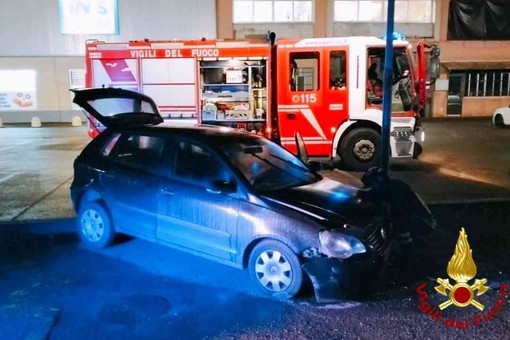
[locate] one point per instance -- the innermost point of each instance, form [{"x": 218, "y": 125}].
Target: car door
[
  {"x": 195, "y": 214},
  {"x": 131, "y": 185}
]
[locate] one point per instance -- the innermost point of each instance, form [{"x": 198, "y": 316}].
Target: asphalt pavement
[{"x": 52, "y": 288}]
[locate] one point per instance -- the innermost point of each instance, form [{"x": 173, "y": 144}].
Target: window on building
[
  {"x": 18, "y": 90},
  {"x": 408, "y": 11},
  {"x": 253, "y": 11},
  {"x": 486, "y": 83},
  {"x": 88, "y": 16},
  {"x": 478, "y": 20}
]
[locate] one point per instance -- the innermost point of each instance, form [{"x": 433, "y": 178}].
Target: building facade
[{"x": 42, "y": 54}]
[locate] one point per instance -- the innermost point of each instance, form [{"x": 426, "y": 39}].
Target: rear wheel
[
  {"x": 94, "y": 225},
  {"x": 360, "y": 150},
  {"x": 499, "y": 122},
  {"x": 275, "y": 269}
]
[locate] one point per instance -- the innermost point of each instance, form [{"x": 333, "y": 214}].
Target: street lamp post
[{"x": 387, "y": 87}]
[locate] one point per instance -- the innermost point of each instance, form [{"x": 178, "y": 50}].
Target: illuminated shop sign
[
  {"x": 88, "y": 17},
  {"x": 18, "y": 90}
]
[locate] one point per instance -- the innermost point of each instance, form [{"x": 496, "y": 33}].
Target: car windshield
[{"x": 267, "y": 166}]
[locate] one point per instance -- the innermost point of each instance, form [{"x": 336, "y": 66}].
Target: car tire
[
  {"x": 275, "y": 269},
  {"x": 94, "y": 225},
  {"x": 360, "y": 149},
  {"x": 499, "y": 122}
]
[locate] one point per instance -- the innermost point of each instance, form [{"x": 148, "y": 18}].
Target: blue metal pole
[{"x": 387, "y": 87}]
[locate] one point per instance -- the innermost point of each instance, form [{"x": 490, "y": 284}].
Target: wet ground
[{"x": 52, "y": 287}]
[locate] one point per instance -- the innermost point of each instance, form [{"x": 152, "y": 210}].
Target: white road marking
[
  {"x": 8, "y": 147},
  {"x": 81, "y": 146},
  {"x": 13, "y": 146},
  {"x": 342, "y": 305},
  {"x": 8, "y": 177}
]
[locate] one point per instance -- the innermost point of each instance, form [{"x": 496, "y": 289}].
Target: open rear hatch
[{"x": 115, "y": 107}]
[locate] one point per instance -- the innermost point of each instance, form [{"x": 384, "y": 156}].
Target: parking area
[
  {"x": 464, "y": 160},
  {"x": 36, "y": 169}
]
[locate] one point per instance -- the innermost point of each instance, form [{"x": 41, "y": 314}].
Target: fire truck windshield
[
  {"x": 400, "y": 65},
  {"x": 413, "y": 68}
]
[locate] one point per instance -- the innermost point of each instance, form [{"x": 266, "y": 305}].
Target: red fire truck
[{"x": 328, "y": 89}]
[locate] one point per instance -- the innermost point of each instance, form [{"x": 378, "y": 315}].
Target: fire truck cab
[{"x": 327, "y": 89}]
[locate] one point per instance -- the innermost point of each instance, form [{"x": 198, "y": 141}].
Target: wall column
[
  {"x": 224, "y": 19},
  {"x": 321, "y": 18}
]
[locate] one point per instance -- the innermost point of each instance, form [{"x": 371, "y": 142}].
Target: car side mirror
[
  {"x": 222, "y": 186},
  {"x": 301, "y": 148}
]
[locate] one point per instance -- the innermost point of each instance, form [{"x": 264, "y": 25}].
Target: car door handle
[
  {"x": 291, "y": 115},
  {"x": 168, "y": 192}
]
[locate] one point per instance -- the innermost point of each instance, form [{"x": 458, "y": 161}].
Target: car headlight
[{"x": 335, "y": 244}]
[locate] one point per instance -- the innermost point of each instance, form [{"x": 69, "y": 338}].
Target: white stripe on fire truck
[
  {"x": 307, "y": 113},
  {"x": 313, "y": 120},
  {"x": 288, "y": 110},
  {"x": 308, "y": 142},
  {"x": 305, "y": 138},
  {"x": 292, "y": 107}
]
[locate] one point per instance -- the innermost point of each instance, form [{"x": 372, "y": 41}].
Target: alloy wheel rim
[
  {"x": 92, "y": 225},
  {"x": 273, "y": 271}
]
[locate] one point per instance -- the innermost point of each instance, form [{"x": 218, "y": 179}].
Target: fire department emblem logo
[{"x": 461, "y": 268}]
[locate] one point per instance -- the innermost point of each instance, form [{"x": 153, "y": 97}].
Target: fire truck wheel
[{"x": 359, "y": 150}]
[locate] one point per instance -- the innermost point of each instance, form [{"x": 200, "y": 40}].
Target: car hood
[
  {"x": 115, "y": 107},
  {"x": 328, "y": 201}
]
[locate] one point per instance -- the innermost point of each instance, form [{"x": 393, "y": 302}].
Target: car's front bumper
[{"x": 334, "y": 279}]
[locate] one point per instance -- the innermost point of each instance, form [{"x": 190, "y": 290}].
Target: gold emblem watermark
[{"x": 461, "y": 268}]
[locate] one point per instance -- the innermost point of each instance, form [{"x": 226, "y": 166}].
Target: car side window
[
  {"x": 141, "y": 152},
  {"x": 110, "y": 144},
  {"x": 197, "y": 164}
]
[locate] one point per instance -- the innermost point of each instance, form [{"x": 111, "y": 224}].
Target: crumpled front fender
[
  {"x": 334, "y": 280},
  {"x": 328, "y": 275}
]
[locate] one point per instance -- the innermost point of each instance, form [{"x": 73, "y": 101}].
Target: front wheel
[
  {"x": 94, "y": 225},
  {"x": 360, "y": 150},
  {"x": 275, "y": 269}
]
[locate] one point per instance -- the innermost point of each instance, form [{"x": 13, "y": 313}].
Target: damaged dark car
[{"x": 231, "y": 196}]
